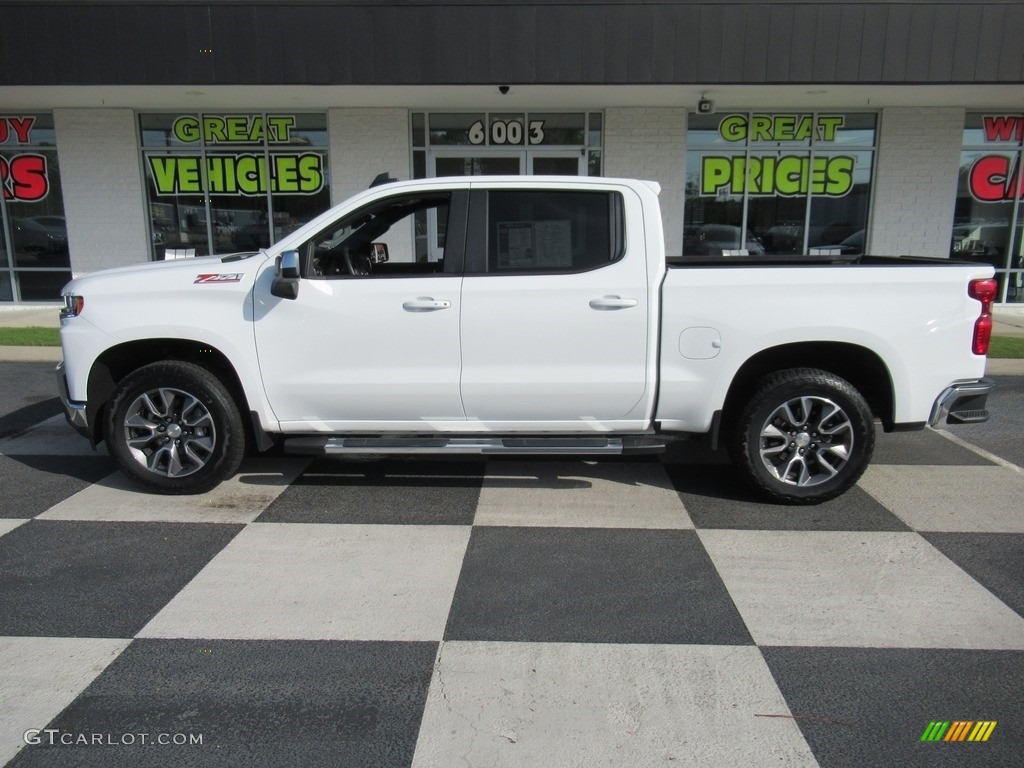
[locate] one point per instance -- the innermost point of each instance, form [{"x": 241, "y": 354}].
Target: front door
[{"x": 367, "y": 346}]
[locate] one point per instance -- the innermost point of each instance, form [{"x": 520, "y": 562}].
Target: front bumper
[
  {"x": 74, "y": 411},
  {"x": 962, "y": 403}
]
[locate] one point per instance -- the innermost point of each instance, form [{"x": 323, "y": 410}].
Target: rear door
[{"x": 554, "y": 308}]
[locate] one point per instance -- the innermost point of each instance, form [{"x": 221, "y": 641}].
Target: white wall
[
  {"x": 650, "y": 143},
  {"x": 103, "y": 198},
  {"x": 365, "y": 143},
  {"x": 915, "y": 181}
]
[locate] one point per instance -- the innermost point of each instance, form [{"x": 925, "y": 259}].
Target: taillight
[{"x": 984, "y": 291}]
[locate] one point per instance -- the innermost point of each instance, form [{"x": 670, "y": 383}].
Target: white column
[
  {"x": 101, "y": 178},
  {"x": 650, "y": 143}
]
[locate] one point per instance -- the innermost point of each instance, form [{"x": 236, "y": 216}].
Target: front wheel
[
  {"x": 174, "y": 427},
  {"x": 804, "y": 436}
]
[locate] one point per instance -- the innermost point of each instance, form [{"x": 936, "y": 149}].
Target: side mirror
[
  {"x": 286, "y": 276},
  {"x": 378, "y": 253}
]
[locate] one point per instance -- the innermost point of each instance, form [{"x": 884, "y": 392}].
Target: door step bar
[{"x": 391, "y": 446}]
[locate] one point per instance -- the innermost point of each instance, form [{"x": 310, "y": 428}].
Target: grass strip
[
  {"x": 1007, "y": 347},
  {"x": 32, "y": 336}
]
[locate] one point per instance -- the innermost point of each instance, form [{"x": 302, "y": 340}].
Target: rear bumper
[
  {"x": 962, "y": 403},
  {"x": 74, "y": 411}
]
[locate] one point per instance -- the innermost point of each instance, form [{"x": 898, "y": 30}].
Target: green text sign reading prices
[{"x": 778, "y": 175}]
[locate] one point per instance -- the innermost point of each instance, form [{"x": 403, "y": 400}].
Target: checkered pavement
[{"x": 507, "y": 613}]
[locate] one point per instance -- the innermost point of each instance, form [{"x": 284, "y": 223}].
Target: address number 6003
[{"x": 507, "y": 132}]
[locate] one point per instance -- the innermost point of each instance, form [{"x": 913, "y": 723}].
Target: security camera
[
  {"x": 503, "y": 89},
  {"x": 705, "y": 106}
]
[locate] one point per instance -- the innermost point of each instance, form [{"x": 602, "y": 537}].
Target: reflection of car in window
[
  {"x": 983, "y": 243},
  {"x": 57, "y": 223},
  {"x": 789, "y": 238},
  {"x": 31, "y": 235},
  {"x": 853, "y": 244},
  {"x": 715, "y": 239}
]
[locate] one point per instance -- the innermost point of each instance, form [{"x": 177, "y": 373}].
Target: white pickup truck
[{"x": 517, "y": 315}]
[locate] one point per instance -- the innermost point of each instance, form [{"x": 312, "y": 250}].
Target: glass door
[
  {"x": 477, "y": 164},
  {"x": 556, "y": 163},
  {"x": 460, "y": 163}
]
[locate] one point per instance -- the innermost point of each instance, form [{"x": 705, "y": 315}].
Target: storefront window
[
  {"x": 34, "y": 259},
  {"x": 778, "y": 183},
  {"x": 220, "y": 183},
  {"x": 988, "y": 220}
]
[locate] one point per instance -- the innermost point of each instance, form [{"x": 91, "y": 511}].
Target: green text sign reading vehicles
[{"x": 251, "y": 172}]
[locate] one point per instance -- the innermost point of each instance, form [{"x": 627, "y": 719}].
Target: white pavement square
[
  {"x": 857, "y": 589},
  {"x": 40, "y": 676},
  {"x": 972, "y": 499},
  {"x": 525, "y": 705},
  {"x": 241, "y": 499},
  {"x": 580, "y": 494},
  {"x": 8, "y": 525},
  {"x": 305, "y": 581}
]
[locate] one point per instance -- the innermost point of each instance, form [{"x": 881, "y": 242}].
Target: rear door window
[{"x": 541, "y": 231}]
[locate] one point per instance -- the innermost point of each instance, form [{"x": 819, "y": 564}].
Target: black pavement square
[
  {"x": 923, "y": 447},
  {"x": 27, "y": 396},
  {"x": 861, "y": 707},
  {"x": 390, "y": 492},
  {"x": 591, "y": 585},
  {"x": 85, "y": 579},
  {"x": 252, "y": 703},
  {"x": 33, "y": 484},
  {"x": 717, "y": 497},
  {"x": 996, "y": 560}
]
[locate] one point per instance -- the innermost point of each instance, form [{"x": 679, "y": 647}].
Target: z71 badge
[{"x": 228, "y": 277}]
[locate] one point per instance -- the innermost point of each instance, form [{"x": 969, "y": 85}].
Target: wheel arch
[
  {"x": 860, "y": 366},
  {"x": 118, "y": 361}
]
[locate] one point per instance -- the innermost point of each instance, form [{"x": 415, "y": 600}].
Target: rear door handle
[
  {"x": 612, "y": 302},
  {"x": 425, "y": 304}
]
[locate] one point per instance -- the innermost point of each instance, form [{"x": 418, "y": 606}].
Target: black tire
[
  {"x": 174, "y": 427},
  {"x": 803, "y": 437}
]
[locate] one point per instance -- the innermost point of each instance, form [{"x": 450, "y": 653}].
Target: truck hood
[{"x": 240, "y": 264}]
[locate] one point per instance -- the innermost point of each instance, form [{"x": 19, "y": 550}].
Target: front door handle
[
  {"x": 425, "y": 304},
  {"x": 612, "y": 302}
]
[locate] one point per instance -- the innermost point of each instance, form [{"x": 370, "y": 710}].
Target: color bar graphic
[{"x": 958, "y": 730}]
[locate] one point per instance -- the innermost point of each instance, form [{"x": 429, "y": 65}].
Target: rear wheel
[
  {"x": 174, "y": 427},
  {"x": 804, "y": 436}
]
